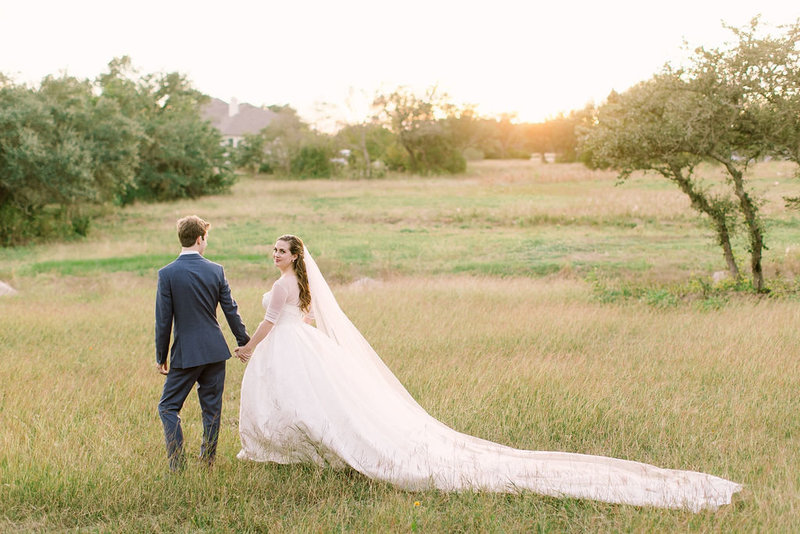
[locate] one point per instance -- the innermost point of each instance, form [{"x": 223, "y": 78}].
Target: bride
[{"x": 323, "y": 395}]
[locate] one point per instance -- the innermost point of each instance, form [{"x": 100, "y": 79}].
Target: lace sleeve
[{"x": 277, "y": 300}]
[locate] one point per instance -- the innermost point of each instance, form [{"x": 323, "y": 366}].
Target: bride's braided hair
[{"x": 296, "y": 247}]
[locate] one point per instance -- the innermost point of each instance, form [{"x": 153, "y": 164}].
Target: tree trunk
[
  {"x": 411, "y": 155},
  {"x": 715, "y": 210},
  {"x": 367, "y": 162},
  {"x": 725, "y": 241},
  {"x": 755, "y": 232}
]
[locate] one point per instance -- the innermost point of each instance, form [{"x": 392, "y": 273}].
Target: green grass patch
[{"x": 145, "y": 264}]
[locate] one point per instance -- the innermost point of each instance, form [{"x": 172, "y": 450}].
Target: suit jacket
[{"x": 189, "y": 290}]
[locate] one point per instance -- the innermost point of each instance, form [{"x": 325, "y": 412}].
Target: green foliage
[
  {"x": 369, "y": 145},
  {"x": 110, "y": 138},
  {"x": 700, "y": 293},
  {"x": 410, "y": 133},
  {"x": 60, "y": 146},
  {"x": 250, "y": 154},
  {"x": 312, "y": 162},
  {"x": 183, "y": 158},
  {"x": 284, "y": 137},
  {"x": 73, "y": 142},
  {"x": 429, "y": 141},
  {"x": 286, "y": 147},
  {"x": 728, "y": 106},
  {"x": 396, "y": 157},
  {"x": 180, "y": 154}
]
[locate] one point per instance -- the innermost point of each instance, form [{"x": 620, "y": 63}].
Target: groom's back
[
  {"x": 195, "y": 287},
  {"x": 194, "y": 284}
]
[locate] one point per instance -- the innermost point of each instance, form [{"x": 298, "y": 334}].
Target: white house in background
[{"x": 234, "y": 119}]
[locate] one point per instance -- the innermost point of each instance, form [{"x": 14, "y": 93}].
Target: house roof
[{"x": 250, "y": 119}]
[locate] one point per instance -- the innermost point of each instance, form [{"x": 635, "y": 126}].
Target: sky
[{"x": 328, "y": 58}]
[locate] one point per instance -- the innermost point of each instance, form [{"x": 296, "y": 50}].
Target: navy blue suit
[{"x": 189, "y": 290}]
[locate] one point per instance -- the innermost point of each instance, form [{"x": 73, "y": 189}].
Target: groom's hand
[{"x": 163, "y": 368}]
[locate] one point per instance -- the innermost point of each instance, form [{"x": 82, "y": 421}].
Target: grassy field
[{"x": 542, "y": 307}]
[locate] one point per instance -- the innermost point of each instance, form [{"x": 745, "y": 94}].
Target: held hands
[{"x": 243, "y": 353}]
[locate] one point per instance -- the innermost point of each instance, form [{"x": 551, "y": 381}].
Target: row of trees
[
  {"x": 732, "y": 106},
  {"x": 70, "y": 144},
  {"x": 408, "y": 132},
  {"x": 123, "y": 137}
]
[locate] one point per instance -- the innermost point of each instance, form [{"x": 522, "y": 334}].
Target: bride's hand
[{"x": 243, "y": 353}]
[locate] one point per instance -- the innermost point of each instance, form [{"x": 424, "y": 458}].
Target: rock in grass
[
  {"x": 6, "y": 289},
  {"x": 719, "y": 276}
]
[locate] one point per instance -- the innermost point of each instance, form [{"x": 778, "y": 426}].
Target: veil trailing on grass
[{"x": 323, "y": 395}]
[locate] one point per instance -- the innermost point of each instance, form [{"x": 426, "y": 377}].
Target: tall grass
[{"x": 531, "y": 361}]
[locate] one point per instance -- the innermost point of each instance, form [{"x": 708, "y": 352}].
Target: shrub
[{"x": 312, "y": 162}]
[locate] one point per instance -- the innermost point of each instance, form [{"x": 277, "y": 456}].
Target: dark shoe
[
  {"x": 206, "y": 461},
  {"x": 177, "y": 463}
]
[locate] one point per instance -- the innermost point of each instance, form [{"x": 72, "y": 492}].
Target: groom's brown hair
[{"x": 190, "y": 228}]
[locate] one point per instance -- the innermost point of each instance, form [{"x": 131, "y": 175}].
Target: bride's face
[{"x": 281, "y": 255}]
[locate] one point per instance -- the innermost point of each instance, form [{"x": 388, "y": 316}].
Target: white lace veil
[{"x": 333, "y": 322}]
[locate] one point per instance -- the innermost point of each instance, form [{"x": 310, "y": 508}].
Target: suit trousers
[{"x": 210, "y": 380}]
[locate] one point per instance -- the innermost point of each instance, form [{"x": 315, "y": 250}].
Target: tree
[
  {"x": 537, "y": 139},
  {"x": 730, "y": 128},
  {"x": 313, "y": 161},
  {"x": 644, "y": 129},
  {"x": 40, "y": 165},
  {"x": 427, "y": 141},
  {"x": 558, "y": 134},
  {"x": 250, "y": 153},
  {"x": 180, "y": 154},
  {"x": 284, "y": 137},
  {"x": 61, "y": 147},
  {"x": 73, "y": 142},
  {"x": 730, "y": 106},
  {"x": 368, "y": 143},
  {"x": 768, "y": 67},
  {"x": 563, "y": 132},
  {"x": 111, "y": 138}
]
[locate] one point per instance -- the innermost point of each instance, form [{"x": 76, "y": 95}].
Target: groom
[{"x": 189, "y": 290}]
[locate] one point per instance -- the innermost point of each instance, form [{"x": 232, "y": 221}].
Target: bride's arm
[{"x": 245, "y": 351}]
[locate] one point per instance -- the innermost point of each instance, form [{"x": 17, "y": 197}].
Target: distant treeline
[
  {"x": 422, "y": 135},
  {"x": 70, "y": 148}
]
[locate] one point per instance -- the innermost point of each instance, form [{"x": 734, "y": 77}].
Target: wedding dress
[{"x": 323, "y": 395}]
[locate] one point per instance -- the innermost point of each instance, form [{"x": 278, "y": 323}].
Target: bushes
[
  {"x": 123, "y": 138},
  {"x": 47, "y": 159},
  {"x": 312, "y": 162}
]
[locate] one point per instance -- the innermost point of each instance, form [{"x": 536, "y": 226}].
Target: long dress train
[{"x": 322, "y": 395}]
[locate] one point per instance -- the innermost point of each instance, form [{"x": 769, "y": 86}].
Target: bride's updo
[{"x": 296, "y": 247}]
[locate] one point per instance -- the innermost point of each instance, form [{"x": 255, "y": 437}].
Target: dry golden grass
[
  {"x": 531, "y": 361},
  {"x": 536, "y": 364}
]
